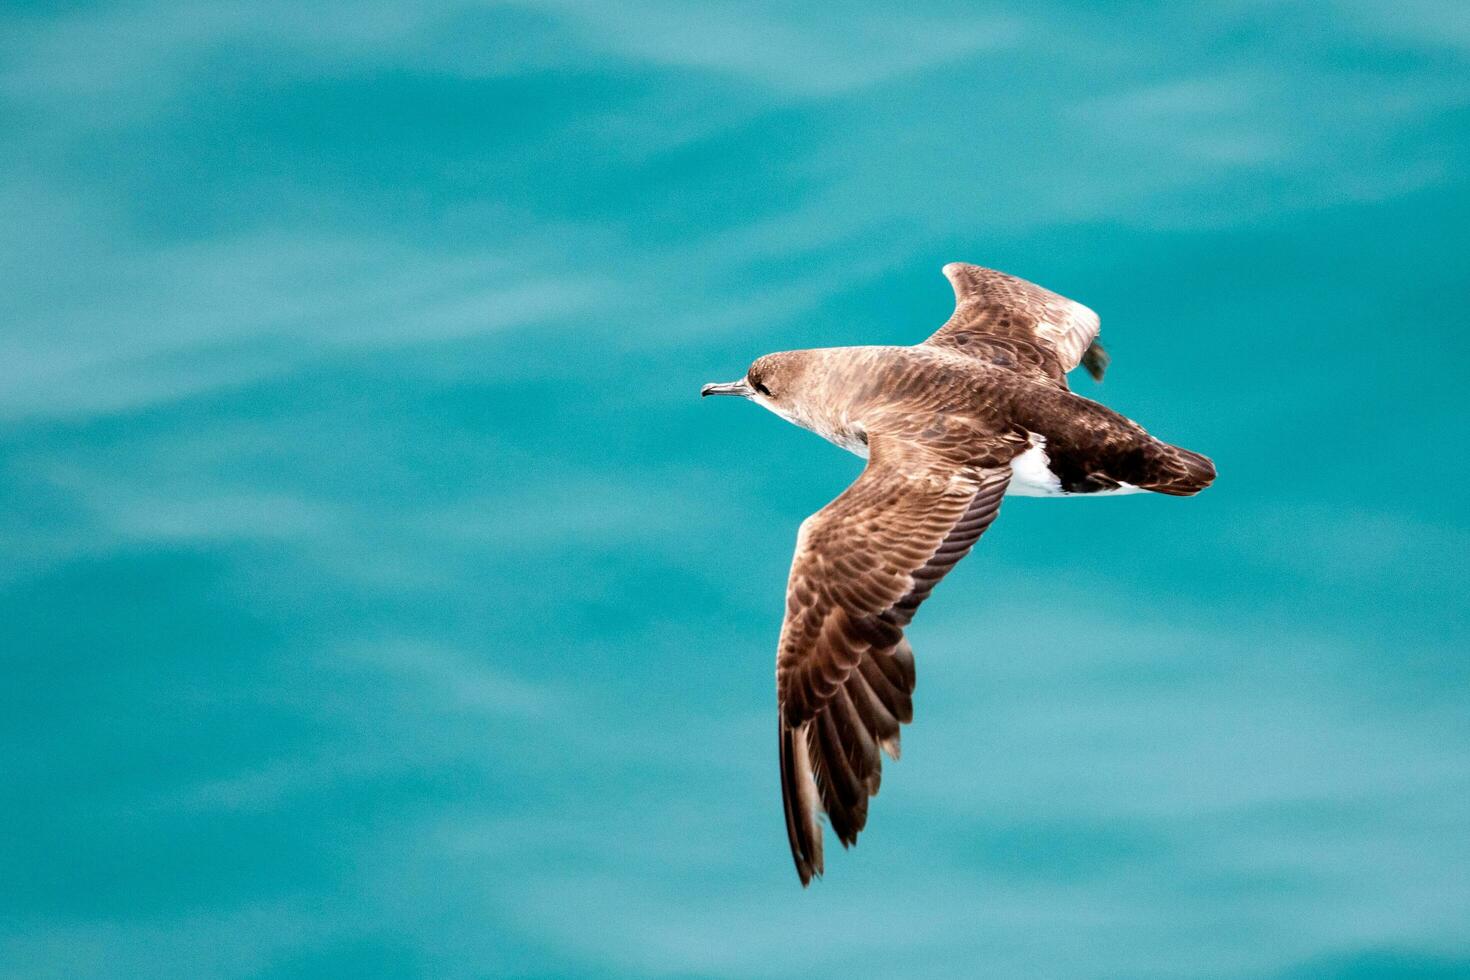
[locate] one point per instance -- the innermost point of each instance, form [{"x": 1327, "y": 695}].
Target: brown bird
[{"x": 949, "y": 426}]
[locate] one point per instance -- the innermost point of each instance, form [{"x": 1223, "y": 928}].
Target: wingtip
[
  {"x": 1096, "y": 360},
  {"x": 803, "y": 831}
]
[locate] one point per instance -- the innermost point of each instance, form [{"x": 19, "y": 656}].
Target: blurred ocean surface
[{"x": 377, "y": 597}]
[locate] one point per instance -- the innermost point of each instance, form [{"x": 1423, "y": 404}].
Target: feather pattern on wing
[
  {"x": 844, "y": 672},
  {"x": 1017, "y": 324}
]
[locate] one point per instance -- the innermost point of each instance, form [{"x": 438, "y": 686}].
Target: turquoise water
[{"x": 377, "y": 597}]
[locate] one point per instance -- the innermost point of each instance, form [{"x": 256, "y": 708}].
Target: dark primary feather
[{"x": 1096, "y": 360}]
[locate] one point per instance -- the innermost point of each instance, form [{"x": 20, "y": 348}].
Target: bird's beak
[{"x": 729, "y": 388}]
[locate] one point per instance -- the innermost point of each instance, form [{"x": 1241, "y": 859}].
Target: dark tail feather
[{"x": 1180, "y": 472}]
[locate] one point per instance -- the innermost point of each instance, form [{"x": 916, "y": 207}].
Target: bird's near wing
[
  {"x": 844, "y": 672},
  {"x": 1017, "y": 324}
]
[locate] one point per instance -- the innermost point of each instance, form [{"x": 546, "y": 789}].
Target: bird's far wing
[
  {"x": 1015, "y": 323},
  {"x": 844, "y": 672}
]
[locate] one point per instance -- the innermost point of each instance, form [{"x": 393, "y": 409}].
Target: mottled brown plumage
[{"x": 949, "y": 427}]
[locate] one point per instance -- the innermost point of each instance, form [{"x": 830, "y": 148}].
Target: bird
[{"x": 978, "y": 411}]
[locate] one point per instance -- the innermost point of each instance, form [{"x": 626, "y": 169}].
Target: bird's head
[{"x": 773, "y": 381}]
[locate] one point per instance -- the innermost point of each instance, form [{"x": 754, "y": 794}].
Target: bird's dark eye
[{"x": 762, "y": 389}]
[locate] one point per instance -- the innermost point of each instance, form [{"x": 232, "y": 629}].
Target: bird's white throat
[{"x": 845, "y": 436}]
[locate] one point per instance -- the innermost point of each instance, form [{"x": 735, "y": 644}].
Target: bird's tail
[{"x": 1179, "y": 472}]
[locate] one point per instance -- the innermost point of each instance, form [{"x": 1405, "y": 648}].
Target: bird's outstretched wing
[
  {"x": 1017, "y": 324},
  {"x": 863, "y": 564}
]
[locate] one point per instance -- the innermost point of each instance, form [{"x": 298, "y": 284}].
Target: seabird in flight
[{"x": 949, "y": 426}]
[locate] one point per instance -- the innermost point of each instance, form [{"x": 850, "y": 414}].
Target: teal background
[{"x": 377, "y": 597}]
